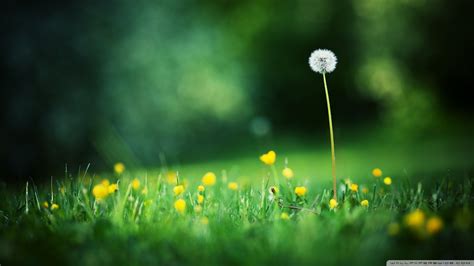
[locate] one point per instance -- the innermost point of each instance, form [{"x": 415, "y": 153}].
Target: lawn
[{"x": 157, "y": 217}]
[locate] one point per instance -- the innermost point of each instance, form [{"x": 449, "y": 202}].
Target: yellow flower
[
  {"x": 171, "y": 177},
  {"x": 284, "y": 216},
  {"x": 300, "y": 191},
  {"x": 178, "y": 190},
  {"x": 200, "y": 199},
  {"x": 434, "y": 225},
  {"x": 198, "y": 208},
  {"x": 113, "y": 188},
  {"x": 54, "y": 206},
  {"x": 333, "y": 204},
  {"x": 136, "y": 184},
  {"x": 180, "y": 205},
  {"x": 268, "y": 158},
  {"x": 233, "y": 186},
  {"x": 415, "y": 219},
  {"x": 365, "y": 190},
  {"x": 354, "y": 187},
  {"x": 100, "y": 191},
  {"x": 364, "y": 203},
  {"x": 204, "y": 221},
  {"x": 201, "y": 188},
  {"x": 119, "y": 168},
  {"x": 377, "y": 172},
  {"x": 105, "y": 182},
  {"x": 393, "y": 229},
  {"x": 288, "y": 173},
  {"x": 209, "y": 179},
  {"x": 387, "y": 181},
  {"x": 45, "y": 204},
  {"x": 148, "y": 202},
  {"x": 145, "y": 191}
]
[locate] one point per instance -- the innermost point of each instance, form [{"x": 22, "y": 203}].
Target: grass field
[{"x": 156, "y": 217}]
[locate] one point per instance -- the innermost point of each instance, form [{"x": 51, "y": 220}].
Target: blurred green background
[{"x": 145, "y": 82}]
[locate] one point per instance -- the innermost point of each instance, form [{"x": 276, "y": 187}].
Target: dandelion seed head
[{"x": 322, "y": 61}]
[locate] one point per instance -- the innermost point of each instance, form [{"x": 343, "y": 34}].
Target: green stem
[
  {"x": 275, "y": 176},
  {"x": 333, "y": 153}
]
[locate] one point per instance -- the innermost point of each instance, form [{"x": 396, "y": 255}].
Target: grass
[{"x": 247, "y": 226}]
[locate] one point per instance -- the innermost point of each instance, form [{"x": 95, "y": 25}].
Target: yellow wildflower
[
  {"x": 54, "y": 206},
  {"x": 180, "y": 205},
  {"x": 100, "y": 191},
  {"x": 171, "y": 177},
  {"x": 434, "y": 225},
  {"x": 377, "y": 172},
  {"x": 200, "y": 199},
  {"x": 198, "y": 208},
  {"x": 387, "y": 181},
  {"x": 105, "y": 182},
  {"x": 393, "y": 229},
  {"x": 45, "y": 204},
  {"x": 300, "y": 191},
  {"x": 113, "y": 188},
  {"x": 201, "y": 188},
  {"x": 209, "y": 179},
  {"x": 178, "y": 190},
  {"x": 288, "y": 173},
  {"x": 204, "y": 221},
  {"x": 268, "y": 158},
  {"x": 284, "y": 216},
  {"x": 333, "y": 204},
  {"x": 119, "y": 168},
  {"x": 354, "y": 187},
  {"x": 364, "y": 203},
  {"x": 136, "y": 184},
  {"x": 415, "y": 219},
  {"x": 233, "y": 186}
]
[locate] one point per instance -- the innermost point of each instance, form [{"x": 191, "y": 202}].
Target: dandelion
[
  {"x": 288, "y": 173},
  {"x": 393, "y": 229},
  {"x": 268, "y": 158},
  {"x": 136, "y": 184},
  {"x": 200, "y": 199},
  {"x": 178, "y": 190},
  {"x": 105, "y": 182},
  {"x": 324, "y": 61},
  {"x": 209, "y": 179},
  {"x": 333, "y": 204},
  {"x": 364, "y": 203},
  {"x": 45, "y": 204},
  {"x": 284, "y": 216},
  {"x": 198, "y": 208},
  {"x": 119, "y": 168},
  {"x": 171, "y": 177},
  {"x": 377, "y": 172},
  {"x": 415, "y": 219},
  {"x": 354, "y": 187},
  {"x": 180, "y": 205},
  {"x": 112, "y": 188},
  {"x": 233, "y": 186},
  {"x": 387, "y": 181},
  {"x": 100, "y": 191},
  {"x": 300, "y": 191},
  {"x": 54, "y": 206},
  {"x": 201, "y": 188},
  {"x": 434, "y": 225}
]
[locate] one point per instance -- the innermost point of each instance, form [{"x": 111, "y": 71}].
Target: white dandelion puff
[{"x": 322, "y": 61}]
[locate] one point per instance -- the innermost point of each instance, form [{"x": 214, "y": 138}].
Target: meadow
[{"x": 264, "y": 208}]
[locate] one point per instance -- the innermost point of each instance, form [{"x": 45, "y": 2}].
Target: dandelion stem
[{"x": 333, "y": 153}]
